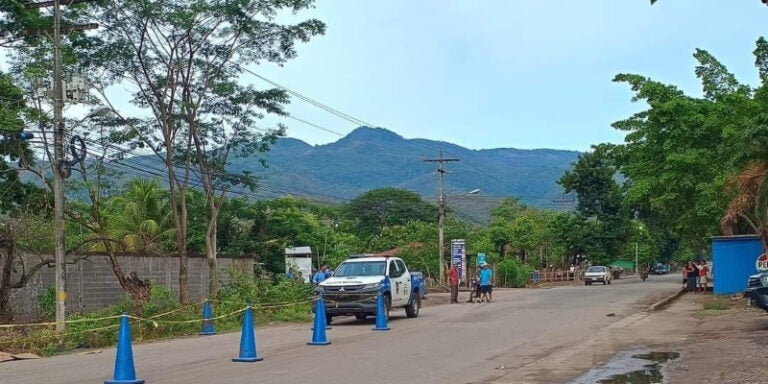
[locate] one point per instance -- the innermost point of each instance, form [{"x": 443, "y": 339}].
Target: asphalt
[{"x": 451, "y": 343}]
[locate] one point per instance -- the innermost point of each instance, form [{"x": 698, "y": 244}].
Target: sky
[
  {"x": 487, "y": 74},
  {"x": 504, "y": 73}
]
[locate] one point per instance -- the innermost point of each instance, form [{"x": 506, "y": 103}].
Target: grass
[
  {"x": 165, "y": 318},
  {"x": 717, "y": 305}
]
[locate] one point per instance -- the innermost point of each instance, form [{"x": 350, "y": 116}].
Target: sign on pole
[
  {"x": 480, "y": 258},
  {"x": 459, "y": 256}
]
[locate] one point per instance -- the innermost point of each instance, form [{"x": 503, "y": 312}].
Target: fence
[{"x": 549, "y": 276}]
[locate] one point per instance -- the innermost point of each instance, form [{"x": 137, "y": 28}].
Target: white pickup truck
[{"x": 356, "y": 282}]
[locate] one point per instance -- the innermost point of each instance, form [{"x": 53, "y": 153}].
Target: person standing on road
[
  {"x": 693, "y": 274},
  {"x": 485, "y": 283},
  {"x": 453, "y": 281},
  {"x": 703, "y": 276}
]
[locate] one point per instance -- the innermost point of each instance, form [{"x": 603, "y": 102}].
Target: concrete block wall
[{"x": 91, "y": 284}]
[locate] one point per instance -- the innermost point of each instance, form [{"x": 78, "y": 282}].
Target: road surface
[{"x": 514, "y": 339}]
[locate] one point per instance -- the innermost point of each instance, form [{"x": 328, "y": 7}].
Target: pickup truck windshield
[{"x": 361, "y": 268}]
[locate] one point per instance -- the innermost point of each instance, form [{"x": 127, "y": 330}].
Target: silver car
[{"x": 597, "y": 273}]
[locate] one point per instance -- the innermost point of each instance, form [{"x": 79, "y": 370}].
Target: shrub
[{"x": 47, "y": 302}]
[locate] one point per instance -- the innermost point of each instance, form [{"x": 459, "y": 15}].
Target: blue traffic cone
[
  {"x": 248, "y": 340},
  {"x": 381, "y": 314},
  {"x": 318, "y": 331},
  {"x": 207, "y": 322},
  {"x": 125, "y": 372}
]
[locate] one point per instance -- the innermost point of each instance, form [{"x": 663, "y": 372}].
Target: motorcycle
[{"x": 644, "y": 275}]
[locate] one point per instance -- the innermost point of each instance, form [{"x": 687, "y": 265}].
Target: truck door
[
  {"x": 406, "y": 278},
  {"x": 396, "y": 282}
]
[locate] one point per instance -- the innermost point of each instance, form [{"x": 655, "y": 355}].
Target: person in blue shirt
[
  {"x": 486, "y": 289},
  {"x": 320, "y": 275}
]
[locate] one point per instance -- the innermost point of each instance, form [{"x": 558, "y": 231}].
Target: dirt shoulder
[{"x": 723, "y": 345}]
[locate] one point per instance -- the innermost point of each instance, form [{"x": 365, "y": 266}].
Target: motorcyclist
[{"x": 644, "y": 272}]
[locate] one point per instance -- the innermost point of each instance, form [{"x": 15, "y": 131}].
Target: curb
[{"x": 659, "y": 305}]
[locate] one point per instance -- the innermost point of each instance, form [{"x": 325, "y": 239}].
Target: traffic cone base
[
  {"x": 318, "y": 331},
  {"x": 207, "y": 322},
  {"x": 247, "y": 359},
  {"x": 381, "y": 315},
  {"x": 248, "y": 340},
  {"x": 125, "y": 372}
]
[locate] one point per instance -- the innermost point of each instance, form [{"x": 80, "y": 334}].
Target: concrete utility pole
[
  {"x": 441, "y": 212},
  {"x": 58, "y": 171},
  {"x": 58, "y": 152}
]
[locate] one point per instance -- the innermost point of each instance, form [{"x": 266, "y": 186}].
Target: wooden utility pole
[{"x": 441, "y": 212}]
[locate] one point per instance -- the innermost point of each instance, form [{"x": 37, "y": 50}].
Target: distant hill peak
[{"x": 370, "y": 133}]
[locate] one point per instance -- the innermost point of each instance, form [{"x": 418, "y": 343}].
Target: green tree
[
  {"x": 185, "y": 59},
  {"x": 599, "y": 200},
  {"x": 680, "y": 153},
  {"x": 748, "y": 211},
  {"x": 374, "y": 210}
]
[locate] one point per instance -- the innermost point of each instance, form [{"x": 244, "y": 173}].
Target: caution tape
[
  {"x": 48, "y": 324},
  {"x": 177, "y": 310},
  {"x": 155, "y": 317},
  {"x": 156, "y": 323},
  {"x": 267, "y": 305},
  {"x": 56, "y": 335}
]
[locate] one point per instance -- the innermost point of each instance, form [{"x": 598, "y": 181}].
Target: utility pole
[
  {"x": 636, "y": 259},
  {"x": 441, "y": 212},
  {"x": 58, "y": 175},
  {"x": 58, "y": 164}
]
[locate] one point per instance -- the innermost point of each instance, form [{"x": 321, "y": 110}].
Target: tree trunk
[
  {"x": 6, "y": 313},
  {"x": 179, "y": 209},
  {"x": 210, "y": 253}
]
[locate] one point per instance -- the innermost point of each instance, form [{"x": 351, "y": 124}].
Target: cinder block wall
[{"x": 91, "y": 284}]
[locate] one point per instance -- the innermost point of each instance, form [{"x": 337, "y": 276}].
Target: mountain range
[{"x": 369, "y": 158}]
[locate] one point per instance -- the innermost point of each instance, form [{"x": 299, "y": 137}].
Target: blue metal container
[{"x": 733, "y": 261}]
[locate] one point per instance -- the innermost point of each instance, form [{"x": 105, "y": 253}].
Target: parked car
[
  {"x": 356, "y": 283},
  {"x": 597, "y": 273},
  {"x": 757, "y": 290}
]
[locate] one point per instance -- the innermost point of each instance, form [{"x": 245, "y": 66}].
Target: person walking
[
  {"x": 453, "y": 281},
  {"x": 486, "y": 289}
]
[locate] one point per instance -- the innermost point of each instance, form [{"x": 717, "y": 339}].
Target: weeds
[{"x": 283, "y": 301}]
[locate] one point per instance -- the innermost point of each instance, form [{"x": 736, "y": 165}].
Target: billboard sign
[{"x": 459, "y": 256}]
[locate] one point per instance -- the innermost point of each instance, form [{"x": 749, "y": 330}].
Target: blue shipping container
[{"x": 733, "y": 261}]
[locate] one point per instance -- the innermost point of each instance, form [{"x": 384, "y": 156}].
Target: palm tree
[
  {"x": 750, "y": 205},
  {"x": 141, "y": 217}
]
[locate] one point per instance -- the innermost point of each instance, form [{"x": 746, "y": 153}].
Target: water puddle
[{"x": 634, "y": 367}]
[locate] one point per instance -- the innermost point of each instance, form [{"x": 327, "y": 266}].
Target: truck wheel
[
  {"x": 328, "y": 318},
  {"x": 387, "y": 304},
  {"x": 412, "y": 310},
  {"x": 361, "y": 316}
]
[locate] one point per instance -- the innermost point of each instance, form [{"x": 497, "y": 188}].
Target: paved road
[{"x": 459, "y": 343}]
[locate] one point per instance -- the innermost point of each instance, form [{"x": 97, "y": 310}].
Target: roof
[{"x": 298, "y": 251}]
